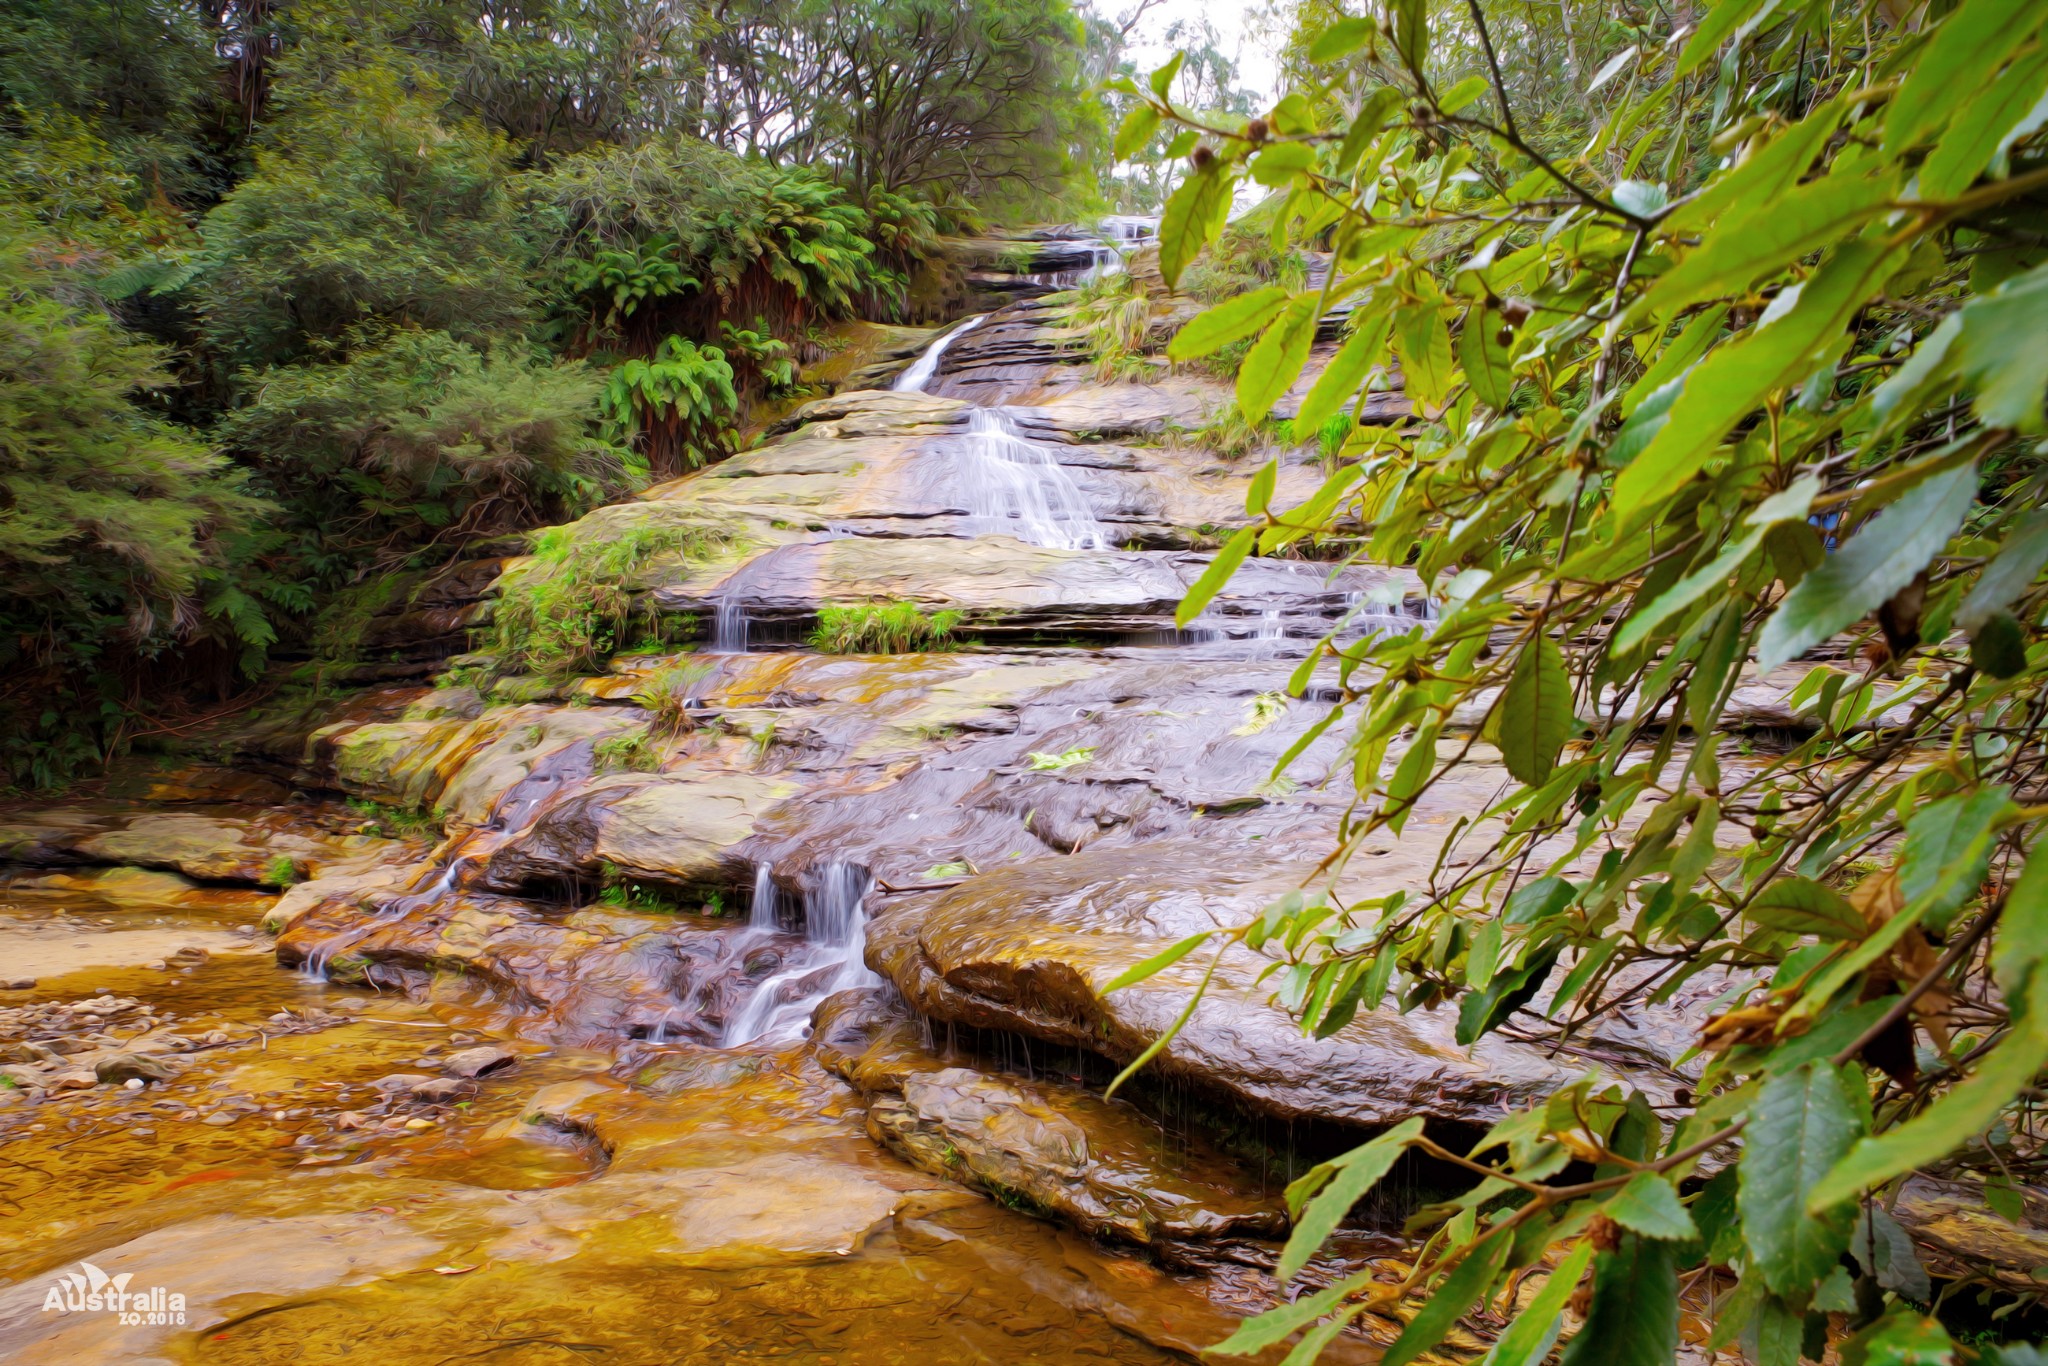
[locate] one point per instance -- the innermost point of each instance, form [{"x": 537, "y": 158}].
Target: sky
[{"x": 1242, "y": 30}]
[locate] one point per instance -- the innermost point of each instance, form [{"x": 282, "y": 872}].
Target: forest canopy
[{"x": 301, "y": 295}]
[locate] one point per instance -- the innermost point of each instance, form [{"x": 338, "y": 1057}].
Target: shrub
[
  {"x": 667, "y": 694},
  {"x": 632, "y": 751},
  {"x": 890, "y": 628},
  {"x": 568, "y": 608},
  {"x": 676, "y": 404}
]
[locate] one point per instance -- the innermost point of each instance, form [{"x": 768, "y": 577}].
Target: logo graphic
[{"x": 90, "y": 1290}]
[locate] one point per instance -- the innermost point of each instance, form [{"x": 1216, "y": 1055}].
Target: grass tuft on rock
[
  {"x": 884, "y": 628},
  {"x": 569, "y": 608}
]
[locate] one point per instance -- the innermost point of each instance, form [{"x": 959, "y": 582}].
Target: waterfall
[
  {"x": 729, "y": 627},
  {"x": 913, "y": 380},
  {"x": 766, "y": 912},
  {"x": 832, "y": 959},
  {"x": 1016, "y": 488}
]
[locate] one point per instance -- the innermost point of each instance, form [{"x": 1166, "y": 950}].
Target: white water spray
[{"x": 913, "y": 380}]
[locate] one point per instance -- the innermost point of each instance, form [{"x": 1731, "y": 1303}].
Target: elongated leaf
[
  {"x": 1424, "y": 345},
  {"x": 1649, "y": 1204},
  {"x": 1280, "y": 162},
  {"x": 1746, "y": 247},
  {"x": 1277, "y": 1324},
  {"x": 1721, "y": 21},
  {"x": 1481, "y": 1011},
  {"x": 1948, "y": 848},
  {"x": 2023, "y": 933},
  {"x": 1485, "y": 358},
  {"x": 1536, "y": 715},
  {"x": 1965, "y": 1111},
  {"x": 1766, "y": 173},
  {"x": 1684, "y": 351},
  {"x": 1157, "y": 963},
  {"x": 1529, "y": 1338},
  {"x": 1451, "y": 1301},
  {"x": 1799, "y": 1127},
  {"x": 1957, "y": 63},
  {"x": 1227, "y": 322},
  {"x": 1193, "y": 216},
  {"x": 1259, "y": 493},
  {"x": 1341, "y": 39},
  {"x": 1136, "y": 130},
  {"x": 1216, "y": 575},
  {"x": 1340, "y": 379},
  {"x": 1803, "y": 906},
  {"x": 1275, "y": 360},
  {"x": 2010, "y": 574},
  {"x": 1879, "y": 560},
  {"x": 1633, "y": 1320},
  {"x": 1345, "y": 1181},
  {"x": 1974, "y": 136},
  {"x": 1997, "y": 349},
  {"x": 1737, "y": 376}
]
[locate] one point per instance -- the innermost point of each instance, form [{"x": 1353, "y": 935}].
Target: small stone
[
  {"x": 132, "y": 1068},
  {"x": 219, "y": 1118},
  {"x": 478, "y": 1062},
  {"x": 350, "y": 1119},
  {"x": 20, "y": 984},
  {"x": 418, "y": 1124},
  {"x": 134, "y": 1084},
  {"x": 400, "y": 1081},
  {"x": 71, "y": 1081},
  {"x": 442, "y": 1090}
]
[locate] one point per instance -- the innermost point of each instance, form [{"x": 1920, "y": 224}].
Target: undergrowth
[
  {"x": 1113, "y": 314},
  {"x": 569, "y": 609},
  {"x": 890, "y": 628},
  {"x": 633, "y": 751}
]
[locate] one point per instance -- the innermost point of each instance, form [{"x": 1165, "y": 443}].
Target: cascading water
[
  {"x": 729, "y": 625},
  {"x": 831, "y": 960},
  {"x": 1016, "y": 487},
  {"x": 913, "y": 380}
]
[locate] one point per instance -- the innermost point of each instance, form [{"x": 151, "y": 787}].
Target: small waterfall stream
[
  {"x": 1017, "y": 488},
  {"x": 913, "y": 380},
  {"x": 831, "y": 960}
]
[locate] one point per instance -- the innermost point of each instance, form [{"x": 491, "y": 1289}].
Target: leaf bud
[
  {"x": 1255, "y": 131},
  {"x": 1203, "y": 157}
]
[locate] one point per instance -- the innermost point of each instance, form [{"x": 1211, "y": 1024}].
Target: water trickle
[
  {"x": 913, "y": 380},
  {"x": 1016, "y": 488},
  {"x": 833, "y": 958},
  {"x": 729, "y": 625},
  {"x": 767, "y": 908}
]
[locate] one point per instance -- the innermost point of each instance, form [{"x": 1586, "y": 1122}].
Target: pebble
[
  {"x": 219, "y": 1118},
  {"x": 20, "y": 984},
  {"x": 132, "y": 1084},
  {"x": 477, "y": 1062},
  {"x": 417, "y": 1124}
]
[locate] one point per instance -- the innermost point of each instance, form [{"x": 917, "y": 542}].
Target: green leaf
[
  {"x": 1346, "y": 371},
  {"x": 1276, "y": 1324},
  {"x": 1738, "y": 375},
  {"x": 1259, "y": 493},
  {"x": 1193, "y": 216},
  {"x": 1800, "y": 1126},
  {"x": 1743, "y": 249},
  {"x": 1485, "y": 358},
  {"x": 1216, "y": 575},
  {"x": 1343, "y": 1181},
  {"x": 1276, "y": 358},
  {"x": 1721, "y": 21},
  {"x": 1450, "y": 1301},
  {"x": 1957, "y": 64},
  {"x": 1136, "y": 130},
  {"x": 1529, "y": 1338},
  {"x": 1973, "y": 138},
  {"x": 1229, "y": 321},
  {"x": 1685, "y": 349},
  {"x": 2010, "y": 574},
  {"x": 1948, "y": 848},
  {"x": 1633, "y": 1320},
  {"x": 1157, "y": 963},
  {"x": 1649, "y": 1204},
  {"x": 1766, "y": 173},
  {"x": 1997, "y": 348},
  {"x": 2023, "y": 930},
  {"x": 1424, "y": 346},
  {"x": 1901, "y": 1338},
  {"x": 1880, "y": 559},
  {"x": 1162, "y": 79},
  {"x": 1341, "y": 39},
  {"x": 1280, "y": 162},
  {"x": 1536, "y": 716},
  {"x": 1802, "y": 906},
  {"x": 1966, "y": 1110},
  {"x": 1480, "y": 1012}
]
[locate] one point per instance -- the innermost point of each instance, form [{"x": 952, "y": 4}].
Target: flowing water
[{"x": 660, "y": 1168}]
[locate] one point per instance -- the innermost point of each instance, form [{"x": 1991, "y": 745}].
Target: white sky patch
[{"x": 1247, "y": 34}]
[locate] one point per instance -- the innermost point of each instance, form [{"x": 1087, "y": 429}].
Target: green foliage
[
  {"x": 570, "y": 606},
  {"x": 398, "y": 822},
  {"x": 883, "y": 628},
  {"x": 668, "y": 693},
  {"x": 1781, "y": 283},
  {"x": 281, "y": 872},
  {"x": 428, "y": 438},
  {"x": 633, "y": 751},
  {"x": 367, "y": 206},
  {"x": 114, "y": 523},
  {"x": 1113, "y": 314},
  {"x": 629, "y": 894},
  {"x": 678, "y": 403},
  {"x": 1041, "y": 762}
]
